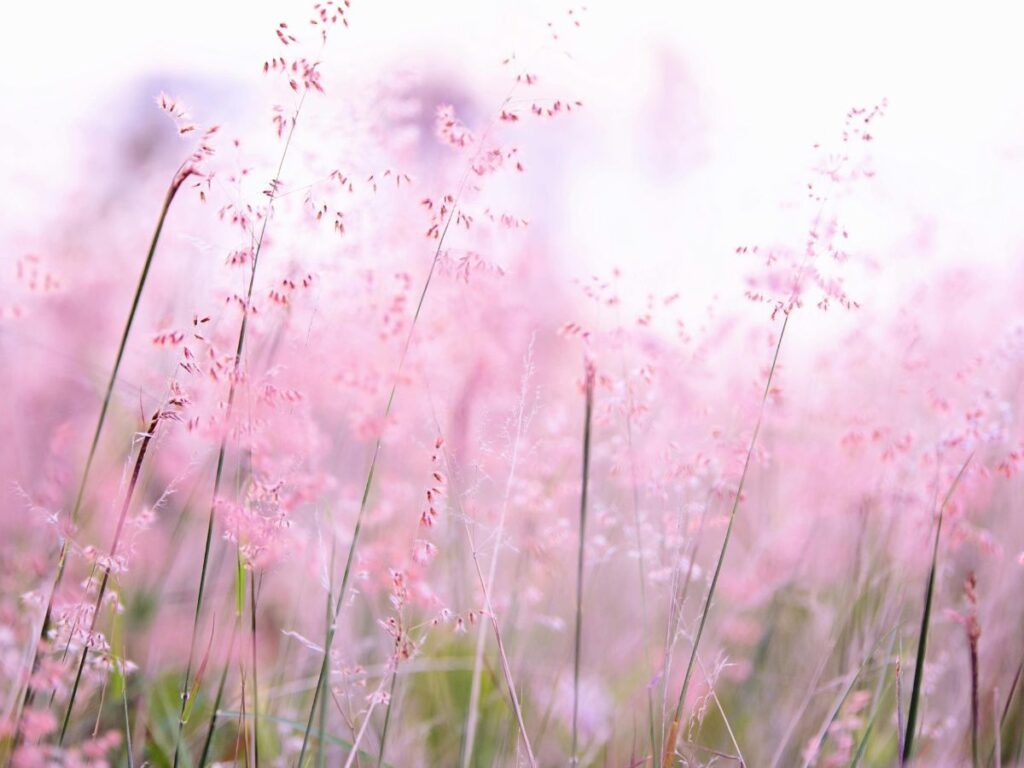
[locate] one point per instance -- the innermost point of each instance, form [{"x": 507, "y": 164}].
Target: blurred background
[
  {"x": 717, "y": 149},
  {"x": 701, "y": 117}
]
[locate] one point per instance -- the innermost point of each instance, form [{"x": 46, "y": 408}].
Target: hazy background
[{"x": 701, "y": 117}]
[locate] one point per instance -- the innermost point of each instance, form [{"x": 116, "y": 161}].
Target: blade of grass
[
  {"x": 218, "y": 475},
  {"x": 900, "y": 725},
  {"x": 840, "y": 700},
  {"x": 876, "y": 705},
  {"x": 642, "y": 569},
  {"x": 674, "y": 729},
  {"x": 472, "y": 714},
  {"x": 387, "y": 719},
  {"x": 255, "y": 686},
  {"x": 505, "y": 668},
  {"x": 922, "y": 643},
  {"x": 994, "y": 754},
  {"x": 368, "y": 484},
  {"x": 125, "y": 506},
  {"x": 580, "y": 551},
  {"x": 180, "y": 175},
  {"x": 207, "y": 743}
]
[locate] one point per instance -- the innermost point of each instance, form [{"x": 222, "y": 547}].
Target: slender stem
[
  {"x": 922, "y": 643},
  {"x": 126, "y": 504},
  {"x": 642, "y": 571},
  {"x": 180, "y": 175},
  {"x": 204, "y": 756},
  {"x": 505, "y": 668},
  {"x": 581, "y": 550},
  {"x": 481, "y": 638},
  {"x": 367, "y": 486},
  {"x": 387, "y": 718},
  {"x": 226, "y": 431},
  {"x": 674, "y": 730}
]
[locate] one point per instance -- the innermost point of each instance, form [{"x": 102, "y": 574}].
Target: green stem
[
  {"x": 922, "y": 643},
  {"x": 673, "y": 734},
  {"x": 179, "y": 177},
  {"x": 581, "y": 550}
]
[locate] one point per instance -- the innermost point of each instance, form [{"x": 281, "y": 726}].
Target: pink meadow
[{"x": 514, "y": 385}]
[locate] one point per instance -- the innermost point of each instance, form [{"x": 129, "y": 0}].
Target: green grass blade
[
  {"x": 674, "y": 730},
  {"x": 922, "y": 643}
]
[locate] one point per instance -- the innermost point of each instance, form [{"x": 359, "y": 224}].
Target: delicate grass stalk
[
  {"x": 321, "y": 678},
  {"x": 329, "y": 622},
  {"x": 642, "y": 568},
  {"x": 973, "y": 639},
  {"x": 488, "y": 607},
  {"x": 840, "y": 700},
  {"x": 876, "y": 704},
  {"x": 125, "y": 506},
  {"x": 127, "y": 723},
  {"x": 676, "y": 602},
  {"x": 255, "y": 686},
  {"x": 368, "y": 485},
  {"x": 996, "y": 754},
  {"x": 674, "y": 728},
  {"x": 922, "y": 643},
  {"x": 725, "y": 718},
  {"x": 218, "y": 475},
  {"x": 208, "y": 742},
  {"x": 469, "y": 737},
  {"x": 375, "y": 699},
  {"x": 505, "y": 668},
  {"x": 180, "y": 175},
  {"x": 900, "y": 727},
  {"x": 580, "y": 551},
  {"x": 387, "y": 719},
  {"x": 997, "y": 748}
]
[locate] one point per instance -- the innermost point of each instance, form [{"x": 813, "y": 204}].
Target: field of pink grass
[{"x": 520, "y": 404}]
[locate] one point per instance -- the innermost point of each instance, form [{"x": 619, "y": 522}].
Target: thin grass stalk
[
  {"x": 881, "y": 687},
  {"x": 642, "y": 568},
  {"x": 368, "y": 485},
  {"x": 180, "y": 175},
  {"x": 377, "y": 446},
  {"x": 354, "y": 751},
  {"x": 255, "y": 686},
  {"x": 674, "y": 729},
  {"x": 677, "y": 600},
  {"x": 922, "y": 643},
  {"x": 840, "y": 700},
  {"x": 227, "y": 426},
  {"x": 973, "y": 639},
  {"x": 475, "y": 683},
  {"x": 725, "y": 718},
  {"x": 127, "y": 723},
  {"x": 995, "y": 754},
  {"x": 125, "y": 506},
  {"x": 387, "y": 719},
  {"x": 329, "y": 622},
  {"x": 581, "y": 550},
  {"x": 208, "y": 742},
  {"x": 900, "y": 725},
  {"x": 997, "y": 747},
  {"x": 505, "y": 668}
]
